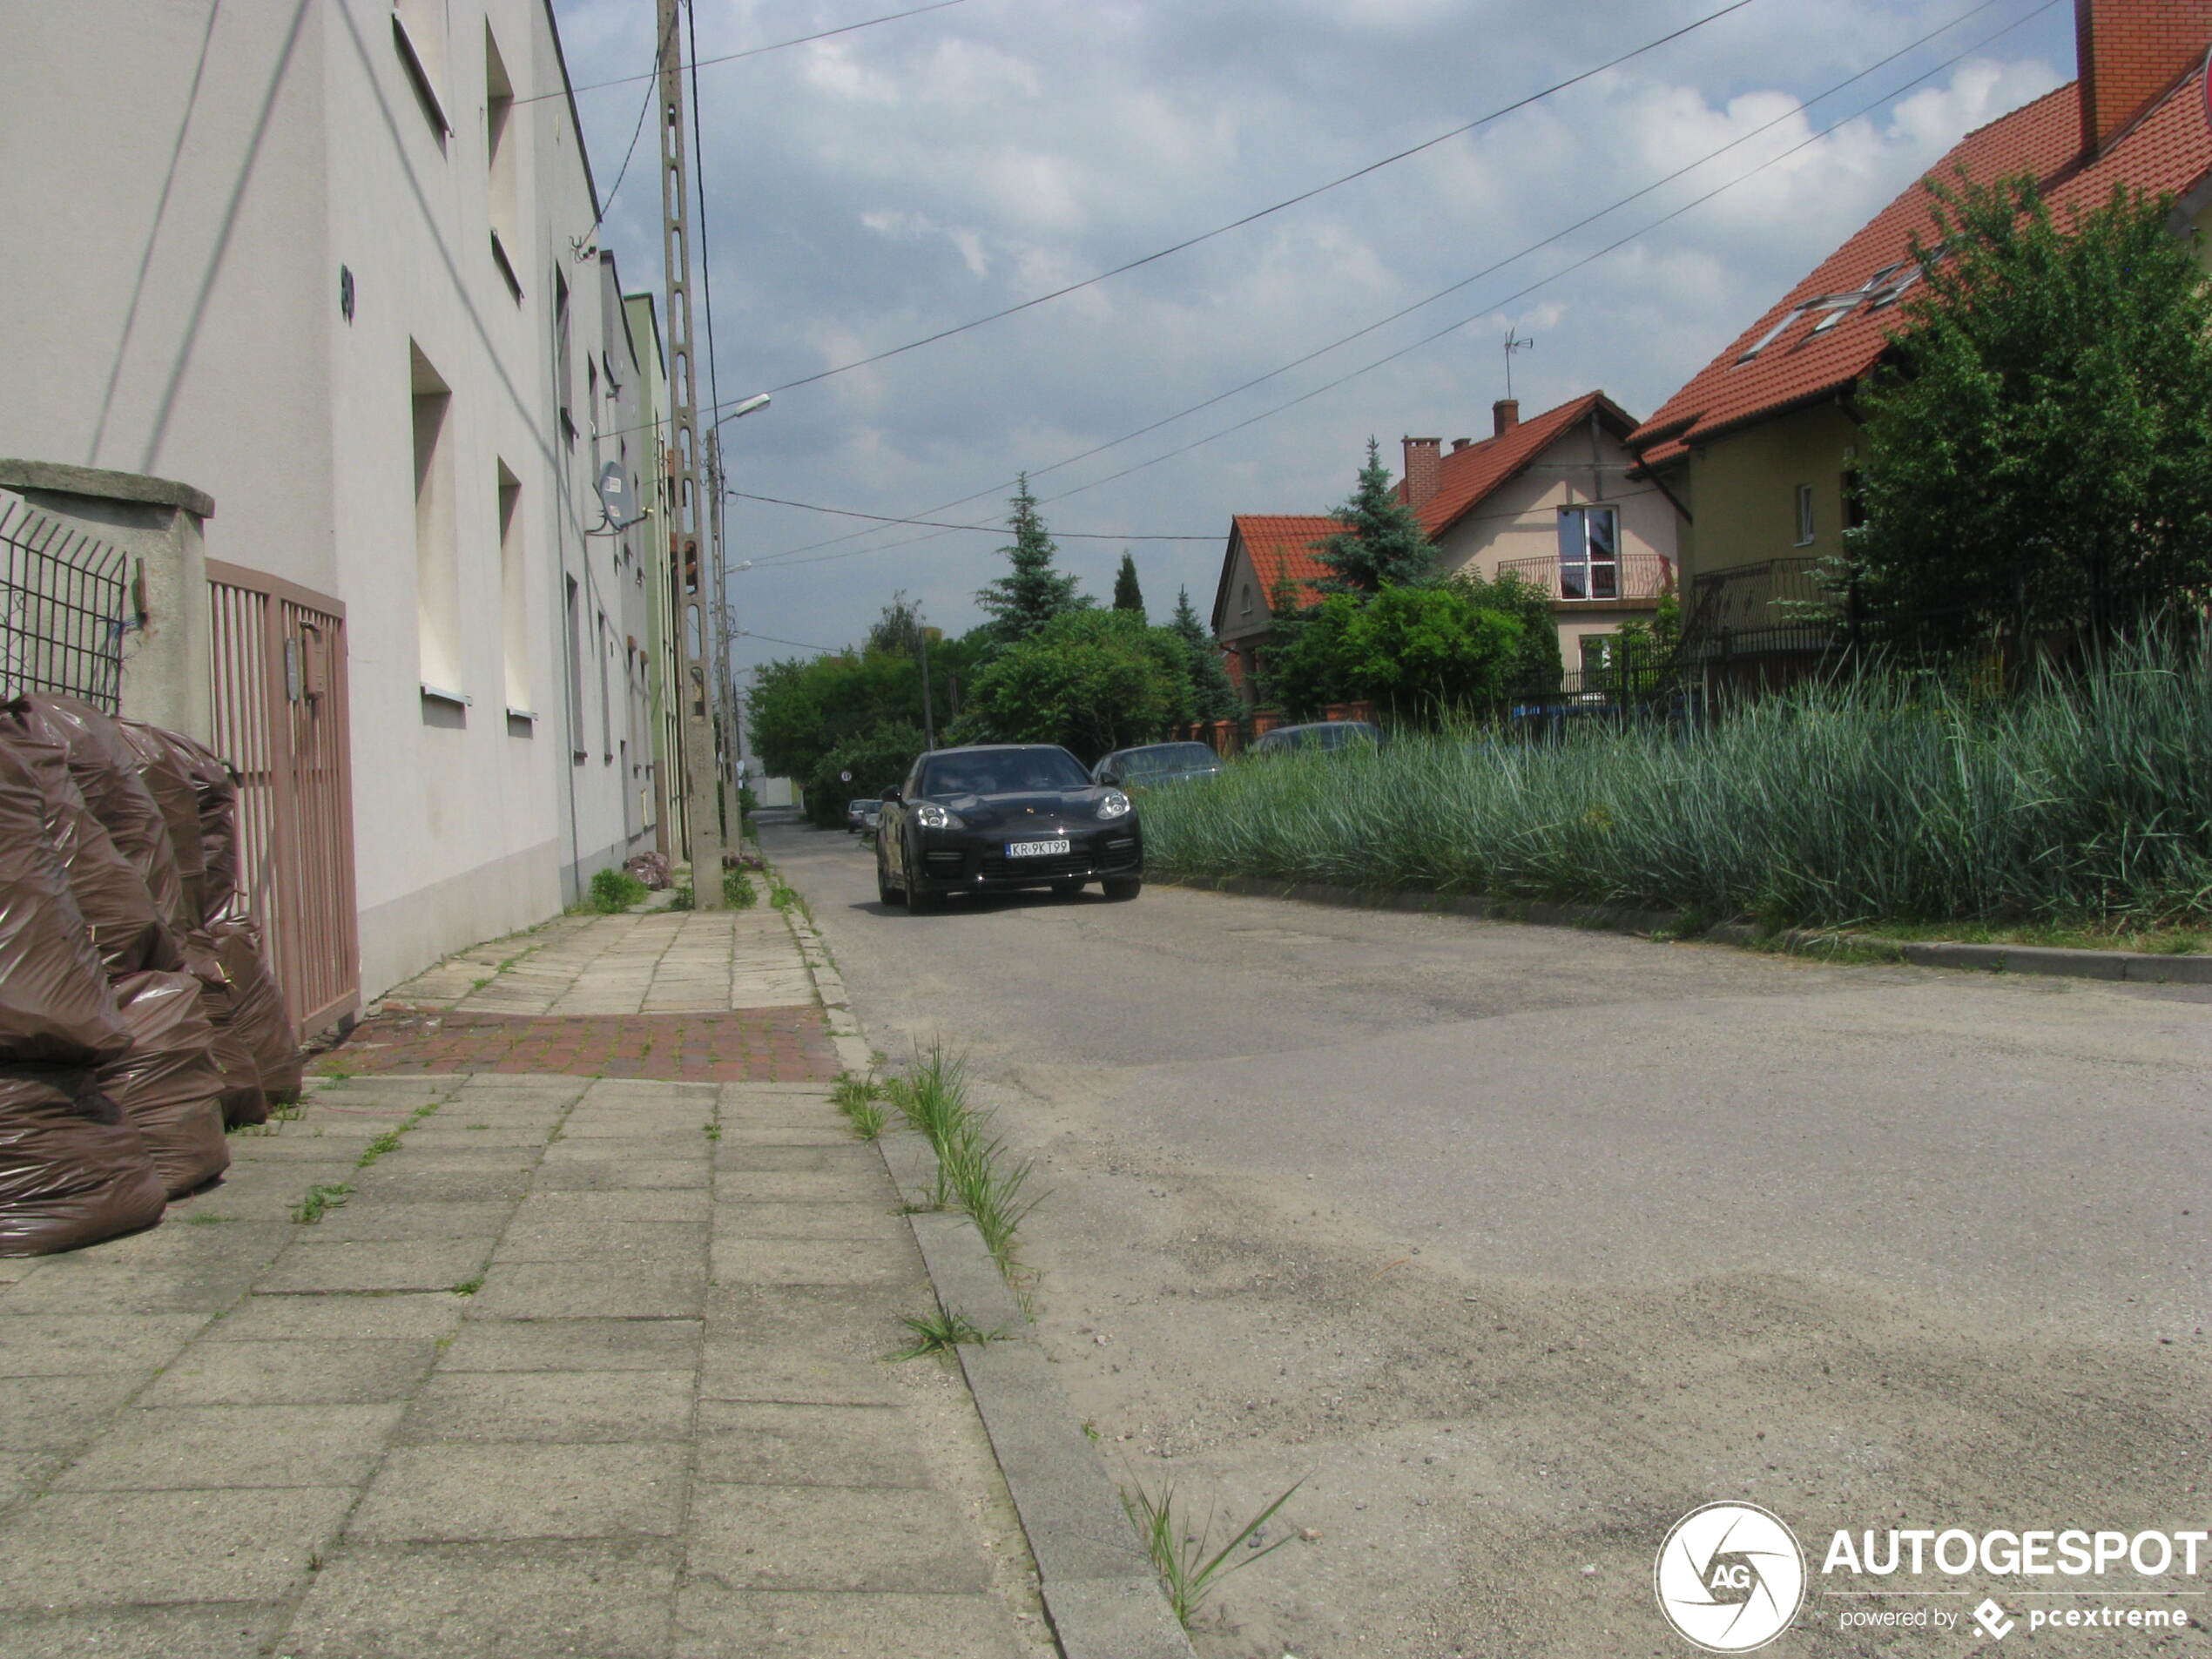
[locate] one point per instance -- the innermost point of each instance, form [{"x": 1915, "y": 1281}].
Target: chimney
[
  {"x": 1424, "y": 466},
  {"x": 2131, "y": 52},
  {"x": 1459, "y": 444},
  {"x": 1506, "y": 412}
]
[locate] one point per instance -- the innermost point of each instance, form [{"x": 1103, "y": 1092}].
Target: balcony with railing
[{"x": 1633, "y": 581}]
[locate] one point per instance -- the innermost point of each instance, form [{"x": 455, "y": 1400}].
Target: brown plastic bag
[
  {"x": 161, "y": 769},
  {"x": 168, "y": 1084},
  {"x": 73, "y": 1170},
  {"x": 55, "y": 1007},
  {"x": 243, "y": 1101},
  {"x": 128, "y": 931},
  {"x": 107, "y": 772},
  {"x": 257, "y": 1012},
  {"x": 222, "y": 893}
]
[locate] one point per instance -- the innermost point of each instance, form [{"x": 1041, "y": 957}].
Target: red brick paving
[{"x": 780, "y": 1045}]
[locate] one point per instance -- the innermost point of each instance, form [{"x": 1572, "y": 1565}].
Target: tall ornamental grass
[{"x": 1891, "y": 796}]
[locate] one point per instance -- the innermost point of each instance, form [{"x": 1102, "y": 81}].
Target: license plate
[{"x": 1034, "y": 849}]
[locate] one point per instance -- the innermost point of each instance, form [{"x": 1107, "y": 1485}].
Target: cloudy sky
[{"x": 868, "y": 190}]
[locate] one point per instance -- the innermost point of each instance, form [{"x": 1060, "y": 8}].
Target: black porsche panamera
[{"x": 1001, "y": 816}]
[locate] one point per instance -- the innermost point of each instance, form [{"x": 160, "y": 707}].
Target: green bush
[
  {"x": 1893, "y": 796},
  {"x": 737, "y": 890},
  {"x": 614, "y": 891}
]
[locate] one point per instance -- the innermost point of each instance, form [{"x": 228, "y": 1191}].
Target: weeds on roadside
[
  {"x": 713, "y": 1131},
  {"x": 861, "y": 1101},
  {"x": 388, "y": 1142},
  {"x": 1187, "y": 1573},
  {"x": 469, "y": 1286},
  {"x": 940, "y": 1332},
  {"x": 320, "y": 1199},
  {"x": 684, "y": 899},
  {"x": 973, "y": 1171},
  {"x": 615, "y": 891},
  {"x": 737, "y": 890},
  {"x": 207, "y": 1218}
]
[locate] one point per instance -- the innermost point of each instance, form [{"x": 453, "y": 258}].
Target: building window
[
  {"x": 578, "y": 751},
  {"x": 1804, "y": 515},
  {"x": 1589, "y": 553},
  {"x": 562, "y": 372},
  {"x": 513, "y": 596},
  {"x": 419, "y": 32},
  {"x": 606, "y": 721},
  {"x": 1247, "y": 610},
  {"x": 502, "y": 196},
  {"x": 437, "y": 574}
]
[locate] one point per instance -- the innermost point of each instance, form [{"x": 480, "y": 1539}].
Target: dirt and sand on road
[{"x": 1513, "y": 1245}]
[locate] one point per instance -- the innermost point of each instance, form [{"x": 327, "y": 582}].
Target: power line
[
  {"x": 791, "y": 555},
  {"x": 1277, "y": 207},
  {"x": 607, "y": 201},
  {"x": 751, "y": 52},
  {"x": 994, "y": 530},
  {"x": 797, "y": 645}
]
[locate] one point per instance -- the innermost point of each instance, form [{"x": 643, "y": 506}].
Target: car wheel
[
  {"x": 1123, "y": 886},
  {"x": 884, "y": 891},
  {"x": 1067, "y": 889}
]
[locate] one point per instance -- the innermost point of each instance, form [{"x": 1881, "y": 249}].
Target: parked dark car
[
  {"x": 1000, "y": 817},
  {"x": 1153, "y": 764},
  {"x": 1323, "y": 736},
  {"x": 856, "y": 813}
]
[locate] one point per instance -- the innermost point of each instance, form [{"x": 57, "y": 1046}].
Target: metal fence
[
  {"x": 279, "y": 662},
  {"x": 63, "y": 606}
]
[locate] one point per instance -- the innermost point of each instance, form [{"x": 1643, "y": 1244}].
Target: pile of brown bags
[{"x": 139, "y": 1017}]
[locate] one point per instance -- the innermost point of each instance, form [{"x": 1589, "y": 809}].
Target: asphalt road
[{"x": 1514, "y": 1244}]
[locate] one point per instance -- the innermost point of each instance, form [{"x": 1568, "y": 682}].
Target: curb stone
[
  {"x": 2133, "y": 967},
  {"x": 1100, "y": 1593}
]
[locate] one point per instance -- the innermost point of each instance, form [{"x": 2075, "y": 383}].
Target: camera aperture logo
[{"x": 1730, "y": 1577}]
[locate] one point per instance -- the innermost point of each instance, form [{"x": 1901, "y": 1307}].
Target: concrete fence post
[{"x": 159, "y": 525}]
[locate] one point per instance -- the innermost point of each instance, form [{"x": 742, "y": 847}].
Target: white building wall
[{"x": 184, "y": 320}]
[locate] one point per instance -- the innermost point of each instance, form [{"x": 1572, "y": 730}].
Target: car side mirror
[
  {"x": 891, "y": 795},
  {"x": 1110, "y": 779}
]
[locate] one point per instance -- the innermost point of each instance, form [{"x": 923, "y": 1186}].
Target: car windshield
[
  {"x": 1166, "y": 756},
  {"x": 1002, "y": 772}
]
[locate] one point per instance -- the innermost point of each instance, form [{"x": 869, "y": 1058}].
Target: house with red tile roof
[
  {"x": 1549, "y": 499},
  {"x": 1761, "y": 445}
]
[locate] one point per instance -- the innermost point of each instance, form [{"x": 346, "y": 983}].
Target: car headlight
[
  {"x": 1113, "y": 803},
  {"x": 930, "y": 815}
]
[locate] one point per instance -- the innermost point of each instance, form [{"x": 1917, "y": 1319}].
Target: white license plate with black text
[{"x": 1034, "y": 849}]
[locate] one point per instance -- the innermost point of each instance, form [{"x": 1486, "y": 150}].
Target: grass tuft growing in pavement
[
  {"x": 1187, "y": 1573},
  {"x": 319, "y": 1197},
  {"x": 861, "y": 1101},
  {"x": 940, "y": 1332},
  {"x": 974, "y": 1173}
]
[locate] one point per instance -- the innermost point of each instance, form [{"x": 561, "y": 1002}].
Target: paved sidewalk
[{"x": 578, "y": 1366}]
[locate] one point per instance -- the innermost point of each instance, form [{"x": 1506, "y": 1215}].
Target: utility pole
[
  {"x": 725, "y": 699},
  {"x": 928, "y": 714},
  {"x": 697, "y": 619}
]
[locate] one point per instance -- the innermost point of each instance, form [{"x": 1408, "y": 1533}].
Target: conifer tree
[
  {"x": 1032, "y": 593},
  {"x": 1212, "y": 692},
  {"x": 1382, "y": 545},
  {"x": 1127, "y": 595}
]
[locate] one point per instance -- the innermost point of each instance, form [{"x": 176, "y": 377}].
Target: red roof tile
[
  {"x": 2168, "y": 151},
  {"x": 1285, "y": 546},
  {"x": 1469, "y": 476}
]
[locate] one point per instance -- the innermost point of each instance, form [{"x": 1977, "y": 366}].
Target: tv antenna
[{"x": 1515, "y": 342}]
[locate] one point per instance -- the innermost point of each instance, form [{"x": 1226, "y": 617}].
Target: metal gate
[{"x": 278, "y": 667}]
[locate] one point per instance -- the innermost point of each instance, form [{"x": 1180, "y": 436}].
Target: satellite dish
[{"x": 614, "y": 492}]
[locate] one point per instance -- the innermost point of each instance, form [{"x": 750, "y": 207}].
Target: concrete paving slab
[
  {"x": 458, "y": 1160},
  {"x": 785, "y": 1444},
  {"x": 776, "y": 1373},
  {"x": 460, "y": 1494},
  {"x": 590, "y": 1290},
  {"x": 739, "y": 1260},
  {"x": 608, "y": 1091},
  {"x": 511, "y": 1132},
  {"x": 202, "y": 1447},
  {"x": 353, "y": 1222},
  {"x": 848, "y": 1156},
  {"x": 641, "y": 1204},
  {"x": 854, "y": 1222},
  {"x": 490, "y": 1600},
  {"x": 567, "y": 1344},
  {"x": 619, "y": 1175},
  {"x": 88, "y": 1286},
  {"x": 777, "y": 1131},
  {"x": 96, "y": 1550},
  {"x": 375, "y": 1265},
  {"x": 392, "y": 1178},
  {"x": 607, "y": 1241},
  {"x": 23, "y": 1473},
  {"x": 567, "y": 1407},
  {"x": 210, "y": 1630},
  {"x": 716, "y": 1623},
  {"x": 279, "y": 1319},
  {"x": 785, "y": 1186},
  {"x": 65, "y": 1344},
  {"x": 833, "y": 1538},
  {"x": 60, "y": 1413},
  {"x": 329, "y": 1371},
  {"x": 861, "y": 1323}
]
